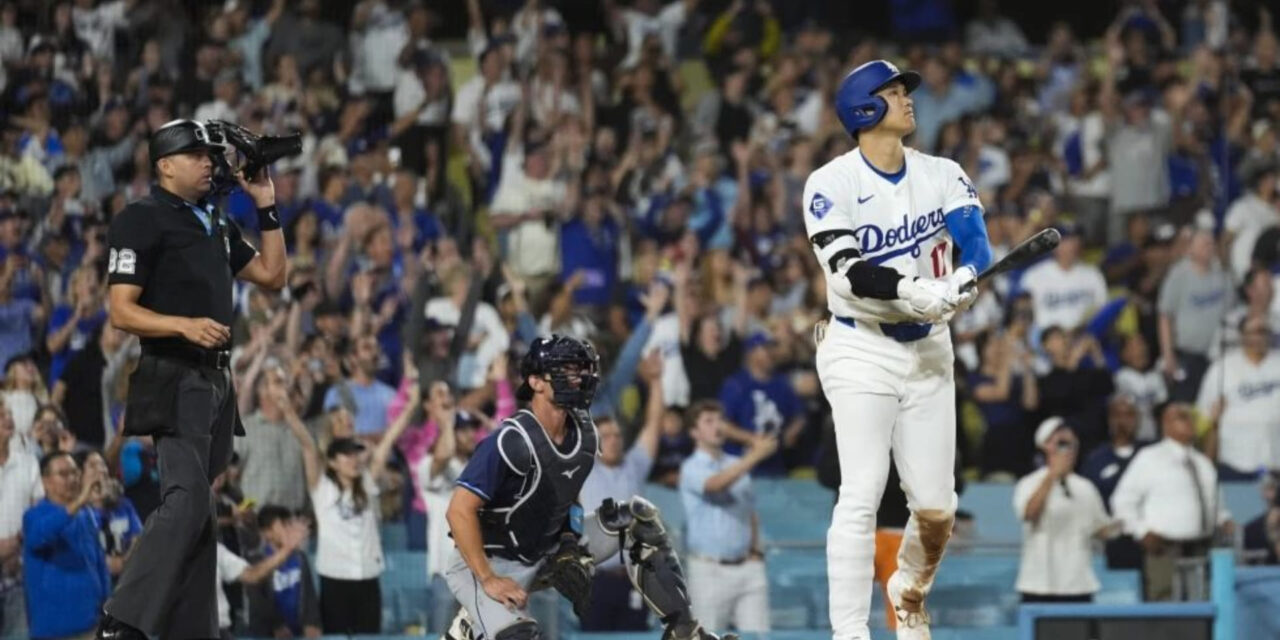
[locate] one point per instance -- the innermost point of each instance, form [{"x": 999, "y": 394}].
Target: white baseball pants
[{"x": 887, "y": 395}]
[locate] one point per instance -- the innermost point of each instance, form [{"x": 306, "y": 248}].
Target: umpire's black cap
[{"x": 178, "y": 136}]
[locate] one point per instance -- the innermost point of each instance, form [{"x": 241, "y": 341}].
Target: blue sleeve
[
  {"x": 1101, "y": 321},
  {"x": 59, "y": 317},
  {"x": 43, "y": 525},
  {"x": 526, "y": 327},
  {"x": 624, "y": 370},
  {"x": 970, "y": 233},
  {"x": 135, "y": 523},
  {"x": 130, "y": 464},
  {"x": 712, "y": 224},
  {"x": 488, "y": 467},
  {"x": 791, "y": 407},
  {"x": 734, "y": 403}
]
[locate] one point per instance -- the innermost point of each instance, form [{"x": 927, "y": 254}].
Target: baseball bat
[{"x": 1030, "y": 250}]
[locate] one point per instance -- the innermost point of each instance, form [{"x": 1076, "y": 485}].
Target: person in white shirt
[
  {"x": 1064, "y": 291},
  {"x": 422, "y": 95},
  {"x": 489, "y": 337},
  {"x": 649, "y": 17},
  {"x": 1258, "y": 291},
  {"x": 344, "y": 490},
  {"x": 226, "y": 99},
  {"x": 528, "y": 209},
  {"x": 378, "y": 34},
  {"x": 482, "y": 104},
  {"x": 1168, "y": 500},
  {"x": 459, "y": 433},
  {"x": 1249, "y": 216},
  {"x": 1242, "y": 389},
  {"x": 20, "y": 487},
  {"x": 992, "y": 33},
  {"x": 1061, "y": 514},
  {"x": 1144, "y": 384},
  {"x": 97, "y": 25}
]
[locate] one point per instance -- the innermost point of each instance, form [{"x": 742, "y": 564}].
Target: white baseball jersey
[
  {"x": 1064, "y": 297},
  {"x": 1250, "y": 423},
  {"x": 898, "y": 224}
]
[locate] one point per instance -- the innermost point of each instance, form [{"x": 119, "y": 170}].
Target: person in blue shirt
[
  {"x": 760, "y": 402},
  {"x": 118, "y": 522},
  {"x": 1106, "y": 464},
  {"x": 72, "y": 323},
  {"x": 367, "y": 396},
  {"x": 63, "y": 565},
  {"x": 589, "y": 246},
  {"x": 727, "y": 582},
  {"x": 288, "y": 600}
]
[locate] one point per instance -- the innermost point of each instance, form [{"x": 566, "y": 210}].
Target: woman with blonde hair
[{"x": 73, "y": 322}]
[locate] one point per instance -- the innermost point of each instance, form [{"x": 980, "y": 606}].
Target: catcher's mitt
[{"x": 569, "y": 570}]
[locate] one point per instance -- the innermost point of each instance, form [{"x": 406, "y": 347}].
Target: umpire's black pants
[{"x": 167, "y": 587}]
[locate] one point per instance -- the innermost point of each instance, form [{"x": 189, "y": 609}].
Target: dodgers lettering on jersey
[
  {"x": 1251, "y": 412},
  {"x": 900, "y": 225}
]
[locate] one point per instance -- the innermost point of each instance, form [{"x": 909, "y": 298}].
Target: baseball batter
[{"x": 884, "y": 221}]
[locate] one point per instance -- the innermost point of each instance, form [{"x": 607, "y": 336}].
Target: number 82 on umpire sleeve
[{"x": 123, "y": 261}]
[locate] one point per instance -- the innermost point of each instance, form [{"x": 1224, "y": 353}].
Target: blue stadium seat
[{"x": 395, "y": 537}]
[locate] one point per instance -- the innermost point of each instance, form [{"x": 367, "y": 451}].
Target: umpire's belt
[
  {"x": 900, "y": 331},
  {"x": 214, "y": 359}
]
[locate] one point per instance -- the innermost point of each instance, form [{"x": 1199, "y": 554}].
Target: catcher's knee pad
[{"x": 522, "y": 630}]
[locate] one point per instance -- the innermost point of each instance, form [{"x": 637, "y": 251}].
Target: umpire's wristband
[{"x": 268, "y": 218}]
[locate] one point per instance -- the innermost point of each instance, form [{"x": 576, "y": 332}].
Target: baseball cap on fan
[
  {"x": 758, "y": 339},
  {"x": 1046, "y": 430},
  {"x": 343, "y": 446}
]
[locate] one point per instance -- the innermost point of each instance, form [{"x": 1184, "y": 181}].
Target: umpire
[{"x": 172, "y": 258}]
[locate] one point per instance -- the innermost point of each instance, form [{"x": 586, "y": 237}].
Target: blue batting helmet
[{"x": 857, "y": 104}]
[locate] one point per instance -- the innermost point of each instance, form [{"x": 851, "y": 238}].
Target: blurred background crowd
[{"x": 479, "y": 173}]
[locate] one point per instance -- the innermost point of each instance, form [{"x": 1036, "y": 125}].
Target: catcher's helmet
[
  {"x": 179, "y": 136},
  {"x": 570, "y": 364},
  {"x": 857, "y": 104}
]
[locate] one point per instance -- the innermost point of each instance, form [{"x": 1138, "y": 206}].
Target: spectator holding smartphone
[
  {"x": 1061, "y": 513},
  {"x": 64, "y": 566}
]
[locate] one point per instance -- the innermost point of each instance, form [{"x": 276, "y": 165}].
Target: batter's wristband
[{"x": 268, "y": 218}]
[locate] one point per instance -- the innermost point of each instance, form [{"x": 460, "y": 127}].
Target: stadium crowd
[{"x": 633, "y": 180}]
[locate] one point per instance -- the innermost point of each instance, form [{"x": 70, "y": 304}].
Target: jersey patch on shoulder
[
  {"x": 968, "y": 186},
  {"x": 819, "y": 206}
]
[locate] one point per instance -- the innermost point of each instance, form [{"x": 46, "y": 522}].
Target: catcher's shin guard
[{"x": 652, "y": 566}]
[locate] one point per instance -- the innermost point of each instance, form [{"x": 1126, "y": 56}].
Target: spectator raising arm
[
  {"x": 650, "y": 372},
  {"x": 43, "y": 528},
  {"x": 378, "y": 464},
  {"x": 312, "y": 458},
  {"x": 761, "y": 449},
  {"x": 625, "y": 367}
]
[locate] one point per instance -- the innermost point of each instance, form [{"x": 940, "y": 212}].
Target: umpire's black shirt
[{"x": 184, "y": 268}]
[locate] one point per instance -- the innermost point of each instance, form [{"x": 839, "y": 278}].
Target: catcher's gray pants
[{"x": 490, "y": 616}]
